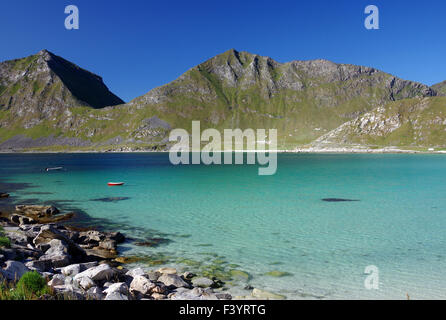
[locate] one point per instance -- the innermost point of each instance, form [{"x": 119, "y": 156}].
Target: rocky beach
[{"x": 84, "y": 264}]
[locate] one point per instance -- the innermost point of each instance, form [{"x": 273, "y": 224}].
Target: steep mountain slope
[
  {"x": 440, "y": 88},
  {"x": 41, "y": 86},
  {"x": 418, "y": 123},
  {"x": 39, "y": 93},
  {"x": 302, "y": 99}
]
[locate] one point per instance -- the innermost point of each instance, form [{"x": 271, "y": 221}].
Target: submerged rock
[
  {"x": 278, "y": 274},
  {"x": 202, "y": 282},
  {"x": 111, "y": 199},
  {"x": 262, "y": 294},
  {"x": 153, "y": 242},
  {"x": 338, "y": 200}
]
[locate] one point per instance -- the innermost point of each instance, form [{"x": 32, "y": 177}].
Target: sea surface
[{"x": 227, "y": 217}]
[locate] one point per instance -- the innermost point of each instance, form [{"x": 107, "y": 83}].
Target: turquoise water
[{"x": 266, "y": 223}]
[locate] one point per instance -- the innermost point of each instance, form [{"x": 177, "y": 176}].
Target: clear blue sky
[{"x": 136, "y": 45}]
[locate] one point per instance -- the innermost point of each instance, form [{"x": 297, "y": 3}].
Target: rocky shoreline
[{"x": 84, "y": 264}]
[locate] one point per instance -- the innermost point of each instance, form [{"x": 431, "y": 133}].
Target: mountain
[
  {"x": 440, "y": 88},
  {"x": 303, "y": 100},
  {"x": 43, "y": 85}
]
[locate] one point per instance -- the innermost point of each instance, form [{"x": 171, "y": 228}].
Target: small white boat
[{"x": 53, "y": 169}]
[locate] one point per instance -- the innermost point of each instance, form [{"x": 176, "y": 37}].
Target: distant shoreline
[{"x": 295, "y": 151}]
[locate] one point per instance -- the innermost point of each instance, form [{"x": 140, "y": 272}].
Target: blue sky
[{"x": 136, "y": 45}]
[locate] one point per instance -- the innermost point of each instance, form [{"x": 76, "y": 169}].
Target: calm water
[{"x": 228, "y": 217}]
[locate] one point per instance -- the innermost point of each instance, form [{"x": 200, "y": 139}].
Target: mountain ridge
[{"x": 303, "y": 99}]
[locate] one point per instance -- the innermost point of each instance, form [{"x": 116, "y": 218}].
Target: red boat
[{"x": 112, "y": 184}]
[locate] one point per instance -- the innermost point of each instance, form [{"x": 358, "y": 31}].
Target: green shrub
[
  {"x": 5, "y": 242},
  {"x": 32, "y": 284}
]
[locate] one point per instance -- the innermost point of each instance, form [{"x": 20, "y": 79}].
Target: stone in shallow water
[
  {"x": 239, "y": 274},
  {"x": 338, "y": 200},
  {"x": 278, "y": 274},
  {"x": 153, "y": 242},
  {"x": 262, "y": 294}
]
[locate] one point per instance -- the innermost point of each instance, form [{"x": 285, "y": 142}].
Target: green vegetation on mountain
[
  {"x": 418, "y": 123},
  {"x": 48, "y": 103},
  {"x": 440, "y": 88}
]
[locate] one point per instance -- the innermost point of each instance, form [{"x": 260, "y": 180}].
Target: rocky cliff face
[
  {"x": 414, "y": 123},
  {"x": 44, "y": 86}
]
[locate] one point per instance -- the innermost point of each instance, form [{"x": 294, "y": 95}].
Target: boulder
[
  {"x": 57, "y": 254},
  {"x": 8, "y": 254},
  {"x": 119, "y": 287},
  {"x": 14, "y": 270},
  {"x": 95, "y": 293},
  {"x": 85, "y": 283},
  {"x": 57, "y": 280},
  {"x": 91, "y": 236},
  {"x": 153, "y": 276},
  {"x": 98, "y": 253},
  {"x": 135, "y": 272},
  {"x": 202, "y": 282},
  {"x": 158, "y": 296},
  {"x": 102, "y": 272},
  {"x": 108, "y": 244},
  {"x": 265, "y": 295},
  {"x": 38, "y": 265},
  {"x": 36, "y": 210},
  {"x": 116, "y": 296},
  {"x": 172, "y": 280},
  {"x": 22, "y": 220},
  {"x": 141, "y": 285},
  {"x": 71, "y": 270},
  {"x": 223, "y": 296},
  {"x": 167, "y": 270}
]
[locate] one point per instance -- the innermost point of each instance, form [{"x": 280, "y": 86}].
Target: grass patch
[{"x": 31, "y": 286}]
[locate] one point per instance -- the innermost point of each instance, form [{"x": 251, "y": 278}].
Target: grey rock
[
  {"x": 116, "y": 296},
  {"x": 172, "y": 280},
  {"x": 71, "y": 270},
  {"x": 38, "y": 265},
  {"x": 95, "y": 293},
  {"x": 119, "y": 287},
  {"x": 202, "y": 282},
  {"x": 57, "y": 254},
  {"x": 135, "y": 272},
  {"x": 85, "y": 283},
  {"x": 57, "y": 280},
  {"x": 141, "y": 285},
  {"x": 223, "y": 296},
  {"x": 100, "y": 273},
  {"x": 14, "y": 270},
  {"x": 153, "y": 276}
]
